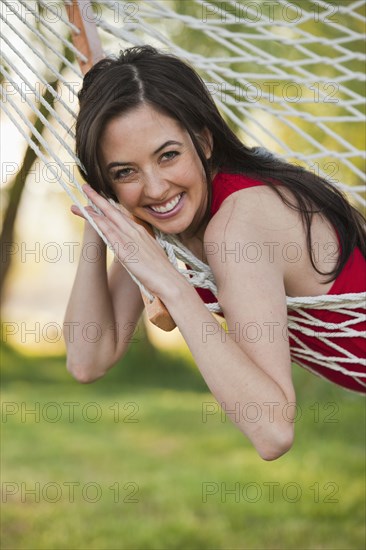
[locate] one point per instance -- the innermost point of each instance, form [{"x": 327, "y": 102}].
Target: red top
[{"x": 351, "y": 279}]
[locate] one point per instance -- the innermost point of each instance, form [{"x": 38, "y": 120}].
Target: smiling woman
[
  {"x": 150, "y": 137},
  {"x": 154, "y": 169}
]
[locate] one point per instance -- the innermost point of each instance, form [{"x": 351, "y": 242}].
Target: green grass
[{"x": 151, "y": 446}]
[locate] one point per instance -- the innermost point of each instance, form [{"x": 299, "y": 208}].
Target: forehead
[{"x": 141, "y": 126}]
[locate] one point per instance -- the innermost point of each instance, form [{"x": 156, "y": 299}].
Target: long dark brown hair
[{"x": 143, "y": 75}]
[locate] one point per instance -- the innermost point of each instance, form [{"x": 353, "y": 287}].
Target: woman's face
[{"x": 154, "y": 169}]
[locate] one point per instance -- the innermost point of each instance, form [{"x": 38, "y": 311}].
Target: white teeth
[{"x": 172, "y": 204}]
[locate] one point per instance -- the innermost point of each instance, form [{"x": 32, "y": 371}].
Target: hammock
[{"x": 285, "y": 76}]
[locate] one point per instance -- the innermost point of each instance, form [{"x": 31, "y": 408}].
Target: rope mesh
[
  {"x": 287, "y": 76},
  {"x": 276, "y": 70}
]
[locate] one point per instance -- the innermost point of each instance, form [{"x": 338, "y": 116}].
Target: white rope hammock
[{"x": 287, "y": 77}]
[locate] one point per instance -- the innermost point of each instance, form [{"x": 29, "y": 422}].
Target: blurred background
[{"x": 144, "y": 458}]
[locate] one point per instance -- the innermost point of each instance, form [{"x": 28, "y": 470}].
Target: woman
[{"x": 150, "y": 137}]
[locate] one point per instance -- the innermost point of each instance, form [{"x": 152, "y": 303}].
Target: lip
[{"x": 164, "y": 215}]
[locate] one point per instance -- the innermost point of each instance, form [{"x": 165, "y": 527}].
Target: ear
[{"x": 206, "y": 140}]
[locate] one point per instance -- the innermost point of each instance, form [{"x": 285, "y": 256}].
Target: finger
[
  {"x": 113, "y": 213},
  {"x": 118, "y": 240},
  {"x": 122, "y": 230},
  {"x": 124, "y": 210},
  {"x": 78, "y": 212}
]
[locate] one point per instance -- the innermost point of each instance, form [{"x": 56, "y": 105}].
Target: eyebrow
[{"x": 166, "y": 144}]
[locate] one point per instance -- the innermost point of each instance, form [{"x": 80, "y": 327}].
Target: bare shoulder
[
  {"x": 254, "y": 224},
  {"x": 263, "y": 230},
  {"x": 258, "y": 209}
]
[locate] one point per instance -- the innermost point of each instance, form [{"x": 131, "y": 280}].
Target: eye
[
  {"x": 169, "y": 155},
  {"x": 121, "y": 174}
]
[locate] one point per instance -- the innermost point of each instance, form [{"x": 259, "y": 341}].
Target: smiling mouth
[{"x": 168, "y": 207}]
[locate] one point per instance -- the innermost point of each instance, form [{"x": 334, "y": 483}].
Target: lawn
[{"x": 144, "y": 459}]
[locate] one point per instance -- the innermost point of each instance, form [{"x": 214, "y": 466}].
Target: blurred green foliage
[{"x": 153, "y": 443}]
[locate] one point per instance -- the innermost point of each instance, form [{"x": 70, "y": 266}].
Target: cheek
[
  {"x": 192, "y": 170},
  {"x": 127, "y": 197}
]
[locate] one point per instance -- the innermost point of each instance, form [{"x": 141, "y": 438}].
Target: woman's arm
[
  {"x": 248, "y": 370},
  {"x": 102, "y": 312},
  {"x": 249, "y": 373},
  {"x": 238, "y": 372}
]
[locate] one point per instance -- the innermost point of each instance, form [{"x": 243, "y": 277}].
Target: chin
[{"x": 173, "y": 228}]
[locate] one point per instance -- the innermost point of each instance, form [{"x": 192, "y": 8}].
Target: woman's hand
[{"x": 132, "y": 244}]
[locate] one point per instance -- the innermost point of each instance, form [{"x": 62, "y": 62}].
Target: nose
[{"x": 156, "y": 188}]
